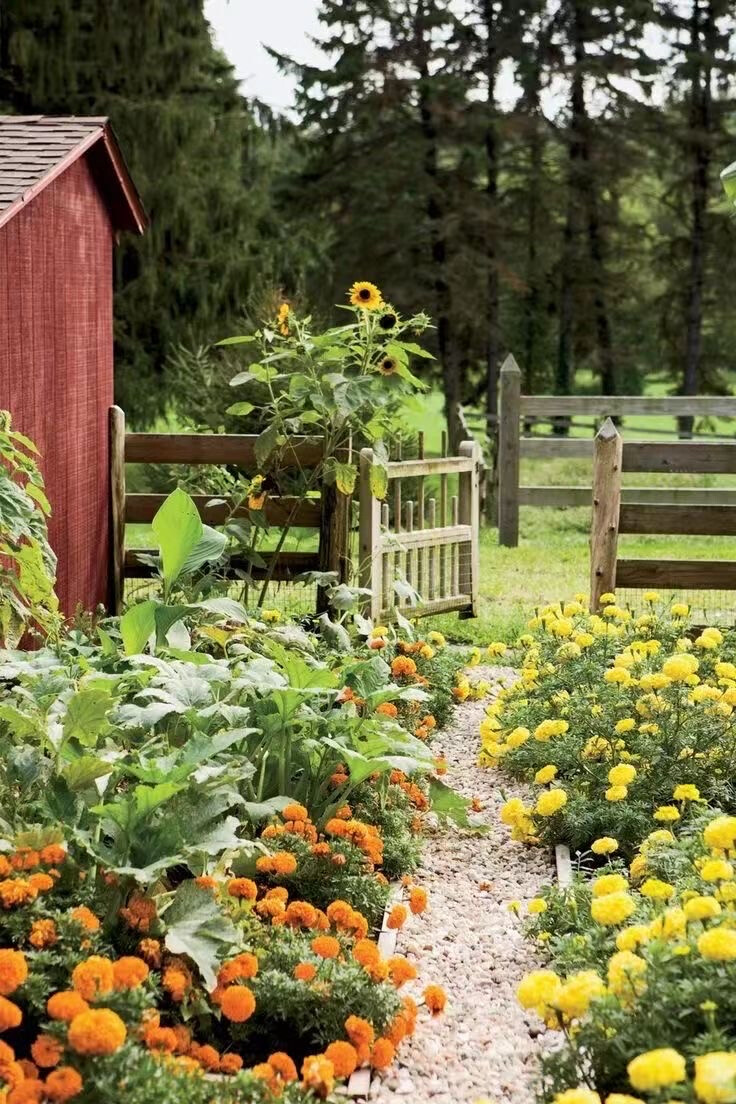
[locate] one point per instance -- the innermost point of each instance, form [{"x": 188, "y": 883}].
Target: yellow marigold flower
[
  {"x": 718, "y": 944},
  {"x": 545, "y": 774},
  {"x": 550, "y": 728},
  {"x": 616, "y": 793},
  {"x": 496, "y": 648},
  {"x": 679, "y": 609},
  {"x": 622, "y": 775},
  {"x": 626, "y": 975},
  {"x": 715, "y": 1077},
  {"x": 655, "y": 1069},
  {"x": 366, "y": 295},
  {"x": 651, "y": 596},
  {"x": 98, "y": 1031},
  {"x": 536, "y": 905},
  {"x": 721, "y": 833},
  {"x": 318, "y": 1073},
  {"x": 670, "y": 924},
  {"x": 550, "y": 802},
  {"x": 617, "y": 675},
  {"x": 626, "y": 724},
  {"x": 702, "y": 908},
  {"x": 632, "y": 937},
  {"x": 666, "y": 813},
  {"x": 577, "y": 992},
  {"x": 609, "y": 883},
  {"x": 623, "y": 1098},
  {"x": 538, "y": 989},
  {"x": 271, "y": 616},
  {"x": 716, "y": 870},
  {"x": 657, "y": 890},
  {"x": 611, "y": 909},
  {"x": 685, "y": 792},
  {"x": 437, "y": 638},
  {"x": 605, "y": 845},
  {"x": 679, "y": 666},
  {"x": 637, "y": 867},
  {"x": 513, "y": 811},
  {"x": 577, "y": 1096}
]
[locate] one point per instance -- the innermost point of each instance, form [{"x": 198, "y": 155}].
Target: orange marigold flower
[
  {"x": 5, "y": 867},
  {"x": 387, "y": 709},
  {"x": 270, "y": 907},
  {"x": 15, "y": 892},
  {"x": 344, "y": 812},
  {"x": 272, "y": 831},
  {"x": 150, "y": 952},
  {"x": 183, "y": 1038},
  {"x": 435, "y": 998},
  {"x": 418, "y": 900},
  {"x": 129, "y": 972},
  {"x": 206, "y": 881},
  {"x": 397, "y": 1030},
  {"x": 359, "y": 1031},
  {"x": 429, "y": 721},
  {"x": 42, "y": 934},
  {"x": 53, "y": 854},
  {"x": 162, "y": 1039},
  {"x": 403, "y": 666},
  {"x": 264, "y": 1072},
  {"x": 401, "y": 970},
  {"x": 30, "y": 1069},
  {"x": 318, "y": 1074},
  {"x": 382, "y": 1054},
  {"x": 99, "y": 1031},
  {"x": 7, "y": 1054},
  {"x": 25, "y": 858},
  {"x": 344, "y": 1058},
  {"x": 242, "y": 888},
  {"x": 281, "y": 862},
  {"x": 206, "y": 1055},
  {"x": 322, "y": 923},
  {"x": 29, "y": 1092},
  {"x": 41, "y": 882},
  {"x": 357, "y": 924},
  {"x": 231, "y": 1063},
  {"x": 66, "y": 1005},
  {"x": 339, "y": 913},
  {"x": 93, "y": 976},
  {"x": 326, "y": 946},
  {"x": 366, "y": 952},
  {"x": 11, "y": 1074},
  {"x": 13, "y": 971},
  {"x": 139, "y": 913},
  {"x": 300, "y": 914},
  {"x": 176, "y": 983},
  {"x": 238, "y": 1003},
  {"x": 305, "y": 971},
  {"x": 86, "y": 918},
  {"x": 421, "y": 732},
  {"x": 242, "y": 966},
  {"x": 339, "y": 778},
  {"x": 46, "y": 1051},
  {"x": 397, "y": 916},
  {"x": 294, "y": 811},
  {"x": 63, "y": 1084},
  {"x": 283, "y": 1066}
]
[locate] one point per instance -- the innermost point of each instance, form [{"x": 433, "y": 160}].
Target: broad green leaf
[
  {"x": 240, "y": 408},
  {"x": 225, "y": 607},
  {"x": 136, "y": 626},
  {"x": 246, "y": 339},
  {"x": 196, "y": 927},
  {"x": 257, "y": 811},
  {"x": 379, "y": 480},
  {"x": 447, "y": 804},
  {"x": 178, "y": 530},
  {"x": 415, "y": 350},
  {"x": 82, "y": 772},
  {"x": 728, "y": 179},
  {"x": 86, "y": 713},
  {"x": 345, "y": 476},
  {"x": 265, "y": 445},
  {"x": 208, "y": 548}
]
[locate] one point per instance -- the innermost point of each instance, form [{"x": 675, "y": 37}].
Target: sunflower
[
  {"x": 387, "y": 365},
  {"x": 366, "y": 295},
  {"x": 388, "y": 320}
]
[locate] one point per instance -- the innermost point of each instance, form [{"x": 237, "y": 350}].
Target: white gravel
[{"x": 484, "y": 1045}]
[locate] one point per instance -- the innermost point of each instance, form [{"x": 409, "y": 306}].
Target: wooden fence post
[
  {"x": 116, "y": 581},
  {"x": 370, "y": 538},
  {"x": 334, "y": 532},
  {"x": 608, "y": 451},
  {"x": 469, "y": 514},
  {"x": 508, "y": 453}
]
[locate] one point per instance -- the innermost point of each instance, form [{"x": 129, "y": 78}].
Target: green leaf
[
  {"x": 257, "y": 811},
  {"x": 265, "y": 444},
  {"x": 345, "y": 477},
  {"x": 82, "y": 772},
  {"x": 178, "y": 529},
  {"x": 86, "y": 715},
  {"x": 415, "y": 350},
  {"x": 379, "y": 480},
  {"x": 208, "y": 548},
  {"x": 136, "y": 625},
  {"x": 447, "y": 804},
  {"x": 246, "y": 339},
  {"x": 728, "y": 179},
  {"x": 240, "y": 408},
  {"x": 197, "y": 928}
]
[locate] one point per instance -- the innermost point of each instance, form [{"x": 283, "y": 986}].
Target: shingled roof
[{"x": 35, "y": 149}]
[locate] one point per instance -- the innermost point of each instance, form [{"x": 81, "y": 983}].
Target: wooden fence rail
[
  {"x": 329, "y": 517},
  {"x": 515, "y": 409},
  {"x": 612, "y": 516},
  {"x": 402, "y": 540}
]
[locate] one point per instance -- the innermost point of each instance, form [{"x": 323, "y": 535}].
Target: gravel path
[{"x": 469, "y": 942}]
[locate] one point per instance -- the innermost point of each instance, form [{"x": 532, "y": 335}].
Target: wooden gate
[{"x": 420, "y": 556}]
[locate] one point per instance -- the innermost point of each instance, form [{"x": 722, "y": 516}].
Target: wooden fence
[
  {"x": 431, "y": 546},
  {"x": 516, "y": 409},
  {"x": 612, "y": 515},
  {"x": 329, "y": 516}
]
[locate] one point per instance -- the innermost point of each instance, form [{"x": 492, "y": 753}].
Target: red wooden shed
[{"x": 65, "y": 193}]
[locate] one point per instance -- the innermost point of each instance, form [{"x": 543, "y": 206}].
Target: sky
[{"x": 241, "y": 27}]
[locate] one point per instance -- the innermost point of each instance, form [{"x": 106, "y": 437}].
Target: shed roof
[{"x": 35, "y": 149}]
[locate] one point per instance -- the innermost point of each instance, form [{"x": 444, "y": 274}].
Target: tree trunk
[
  {"x": 532, "y": 298},
  {"x": 435, "y": 213},
  {"x": 493, "y": 340},
  {"x": 606, "y": 362},
  {"x": 699, "y": 140}
]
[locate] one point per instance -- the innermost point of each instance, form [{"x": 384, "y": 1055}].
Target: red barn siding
[{"x": 56, "y": 365}]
